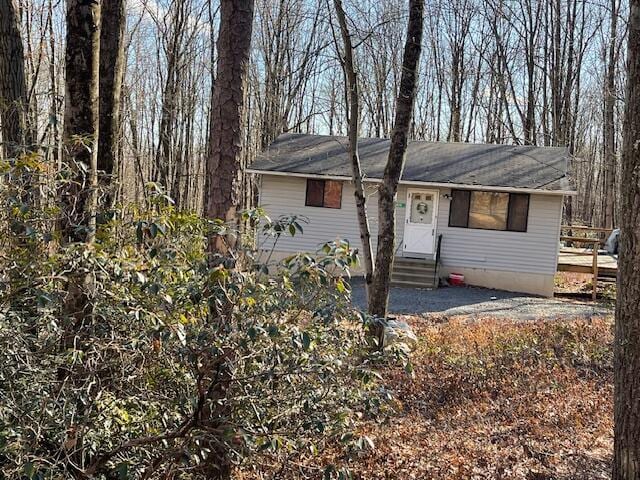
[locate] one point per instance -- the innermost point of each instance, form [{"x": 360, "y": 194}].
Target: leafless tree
[
  {"x": 379, "y": 293},
  {"x": 13, "y": 87},
  {"x": 609, "y": 140},
  {"x": 288, "y": 49},
  {"x": 78, "y": 193},
  {"x": 502, "y": 71},
  {"x": 626, "y": 465},
  {"x": 227, "y": 103},
  {"x": 81, "y": 120},
  {"x": 112, "y": 54},
  {"x": 353, "y": 98}
]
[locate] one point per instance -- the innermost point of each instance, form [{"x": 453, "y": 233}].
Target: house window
[
  {"x": 489, "y": 210},
  {"x": 324, "y": 193}
]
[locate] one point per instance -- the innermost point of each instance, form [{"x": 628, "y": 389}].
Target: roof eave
[{"x": 538, "y": 191}]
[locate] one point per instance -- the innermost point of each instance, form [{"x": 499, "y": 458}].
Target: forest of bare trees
[
  {"x": 496, "y": 71},
  {"x": 142, "y": 334}
]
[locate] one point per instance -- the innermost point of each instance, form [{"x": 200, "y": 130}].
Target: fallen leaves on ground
[
  {"x": 580, "y": 284},
  {"x": 494, "y": 399}
]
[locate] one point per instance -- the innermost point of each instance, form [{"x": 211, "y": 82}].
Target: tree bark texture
[
  {"x": 82, "y": 53},
  {"x": 223, "y": 170},
  {"x": 224, "y": 183},
  {"x": 353, "y": 96},
  {"x": 609, "y": 132},
  {"x": 395, "y": 163},
  {"x": 112, "y": 28},
  {"x": 627, "y": 331},
  {"x": 78, "y": 191},
  {"x": 13, "y": 89}
]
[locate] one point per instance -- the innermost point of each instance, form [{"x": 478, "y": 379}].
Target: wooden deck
[
  {"x": 580, "y": 260},
  {"x": 581, "y": 253}
]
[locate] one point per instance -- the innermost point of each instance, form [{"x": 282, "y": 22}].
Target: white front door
[{"x": 420, "y": 222}]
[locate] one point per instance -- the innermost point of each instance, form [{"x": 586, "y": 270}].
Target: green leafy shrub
[{"x": 183, "y": 362}]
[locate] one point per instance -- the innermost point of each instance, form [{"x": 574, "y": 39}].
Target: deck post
[
  {"x": 575, "y": 264},
  {"x": 596, "y": 244}
]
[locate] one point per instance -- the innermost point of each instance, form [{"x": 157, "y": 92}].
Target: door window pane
[
  {"x": 488, "y": 210},
  {"x": 421, "y": 208}
]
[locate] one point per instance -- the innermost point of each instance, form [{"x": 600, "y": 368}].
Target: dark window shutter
[
  {"x": 459, "y": 208},
  {"x": 315, "y": 193},
  {"x": 332, "y": 194},
  {"x": 518, "y": 212}
]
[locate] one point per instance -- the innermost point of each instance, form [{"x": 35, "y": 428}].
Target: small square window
[{"x": 324, "y": 193}]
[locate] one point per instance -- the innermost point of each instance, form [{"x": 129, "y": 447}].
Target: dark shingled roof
[{"x": 527, "y": 167}]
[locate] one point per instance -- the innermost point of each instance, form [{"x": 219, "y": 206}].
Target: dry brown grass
[
  {"x": 494, "y": 399},
  {"x": 572, "y": 283}
]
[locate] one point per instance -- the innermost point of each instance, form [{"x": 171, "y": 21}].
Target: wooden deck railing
[
  {"x": 595, "y": 243},
  {"x": 583, "y": 231},
  {"x": 593, "y": 236}
]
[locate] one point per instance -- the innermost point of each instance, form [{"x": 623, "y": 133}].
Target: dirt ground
[
  {"x": 579, "y": 285},
  {"x": 503, "y": 386},
  {"x": 499, "y": 400},
  {"x": 490, "y": 398}
]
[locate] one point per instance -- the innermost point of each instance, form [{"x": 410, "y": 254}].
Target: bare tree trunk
[
  {"x": 379, "y": 296},
  {"x": 166, "y": 152},
  {"x": 532, "y": 25},
  {"x": 609, "y": 126},
  {"x": 81, "y": 120},
  {"x": 354, "y": 133},
  {"x": 78, "y": 194},
  {"x": 111, "y": 77},
  {"x": 13, "y": 89},
  {"x": 225, "y": 138},
  {"x": 56, "y": 138},
  {"x": 224, "y": 184},
  {"x": 626, "y": 464},
  {"x": 456, "y": 92}
]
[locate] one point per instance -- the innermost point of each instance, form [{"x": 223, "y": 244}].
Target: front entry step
[{"x": 414, "y": 272}]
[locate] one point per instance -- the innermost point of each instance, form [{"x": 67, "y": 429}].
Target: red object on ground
[{"x": 456, "y": 279}]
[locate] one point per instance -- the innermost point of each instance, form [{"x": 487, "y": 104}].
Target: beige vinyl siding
[
  {"x": 534, "y": 251},
  {"x": 286, "y": 196}
]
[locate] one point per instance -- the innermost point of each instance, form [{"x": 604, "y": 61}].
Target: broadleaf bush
[{"x": 183, "y": 358}]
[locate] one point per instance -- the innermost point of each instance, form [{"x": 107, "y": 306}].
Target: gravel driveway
[{"x": 481, "y": 302}]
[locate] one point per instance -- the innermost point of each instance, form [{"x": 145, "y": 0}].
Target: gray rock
[{"x": 399, "y": 332}]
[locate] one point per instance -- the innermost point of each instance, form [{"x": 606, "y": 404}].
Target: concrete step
[
  {"x": 400, "y": 283},
  {"x": 413, "y": 262},
  {"x": 417, "y": 276},
  {"x": 414, "y": 273},
  {"x": 417, "y": 282},
  {"x": 410, "y": 269}
]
